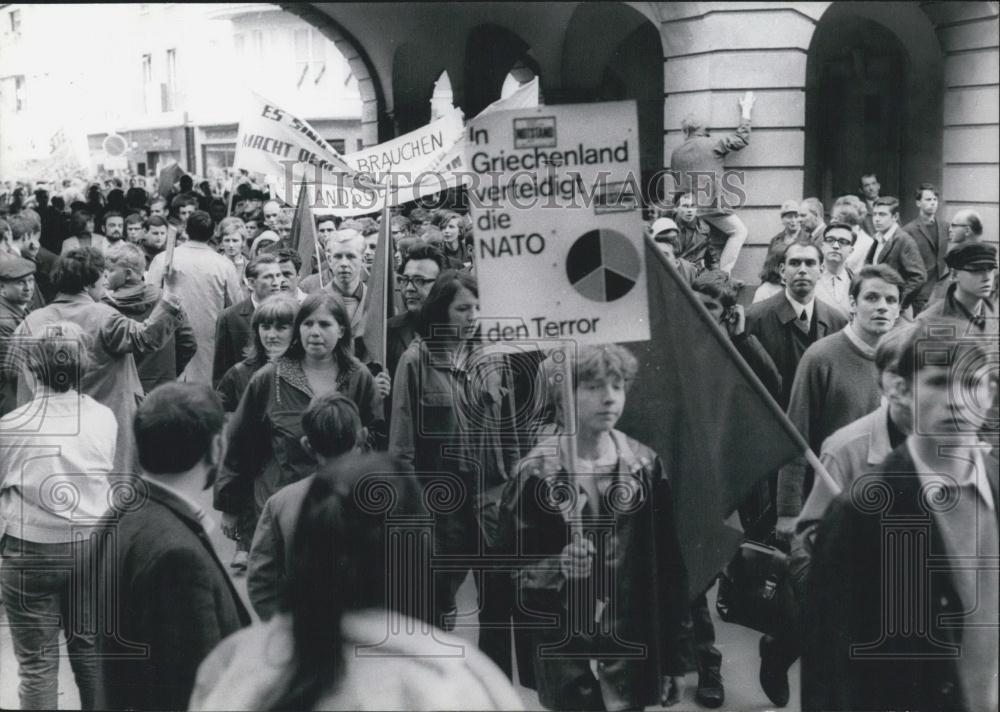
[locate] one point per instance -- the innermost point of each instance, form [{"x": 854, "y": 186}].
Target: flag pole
[
  {"x": 569, "y": 430},
  {"x": 386, "y": 236}
]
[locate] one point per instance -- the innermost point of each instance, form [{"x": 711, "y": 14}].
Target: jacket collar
[
  {"x": 169, "y": 498},
  {"x": 78, "y": 298},
  {"x": 879, "y": 447},
  {"x": 552, "y": 454},
  {"x": 290, "y": 371}
]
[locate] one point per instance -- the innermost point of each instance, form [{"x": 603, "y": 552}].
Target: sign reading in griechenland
[{"x": 557, "y": 223}]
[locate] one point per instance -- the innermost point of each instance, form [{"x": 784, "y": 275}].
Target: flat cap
[
  {"x": 663, "y": 225},
  {"x": 789, "y": 206},
  {"x": 972, "y": 256},
  {"x": 15, "y": 268}
]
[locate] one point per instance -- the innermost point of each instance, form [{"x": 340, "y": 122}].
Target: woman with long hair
[
  {"x": 265, "y": 452},
  {"x": 344, "y": 636},
  {"x": 270, "y": 336},
  {"x": 453, "y": 415},
  {"x": 271, "y": 329}
]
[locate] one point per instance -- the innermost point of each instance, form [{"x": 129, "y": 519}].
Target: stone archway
[
  {"x": 376, "y": 124},
  {"x": 491, "y": 51},
  {"x": 874, "y": 92},
  {"x": 613, "y": 52}
]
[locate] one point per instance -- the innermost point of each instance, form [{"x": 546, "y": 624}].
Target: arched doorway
[
  {"x": 491, "y": 53},
  {"x": 873, "y": 102},
  {"x": 611, "y": 53}
]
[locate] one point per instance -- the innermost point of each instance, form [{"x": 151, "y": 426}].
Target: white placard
[{"x": 558, "y": 225}]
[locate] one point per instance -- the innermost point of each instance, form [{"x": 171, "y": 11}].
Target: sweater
[{"x": 835, "y": 384}]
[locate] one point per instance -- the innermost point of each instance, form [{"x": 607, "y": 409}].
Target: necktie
[{"x": 803, "y": 322}]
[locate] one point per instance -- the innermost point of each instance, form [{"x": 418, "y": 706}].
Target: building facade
[
  {"x": 171, "y": 78},
  {"x": 908, "y": 90}
]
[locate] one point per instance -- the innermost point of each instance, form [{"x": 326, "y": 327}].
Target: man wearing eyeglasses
[
  {"x": 835, "y": 277},
  {"x": 422, "y": 266}
]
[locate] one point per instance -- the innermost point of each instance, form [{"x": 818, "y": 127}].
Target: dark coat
[
  {"x": 772, "y": 321},
  {"x": 168, "y": 362},
  {"x": 903, "y": 255},
  {"x": 232, "y": 335},
  {"x": 11, "y": 315},
  {"x": 845, "y": 604},
  {"x": 950, "y": 308},
  {"x": 647, "y": 601},
  {"x": 171, "y": 597},
  {"x": 932, "y": 251},
  {"x": 264, "y": 453}
]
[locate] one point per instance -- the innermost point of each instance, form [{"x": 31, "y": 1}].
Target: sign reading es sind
[{"x": 558, "y": 225}]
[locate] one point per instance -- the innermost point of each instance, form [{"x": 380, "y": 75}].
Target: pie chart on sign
[{"x": 602, "y": 265}]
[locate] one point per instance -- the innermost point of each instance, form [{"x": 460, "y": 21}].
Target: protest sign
[
  {"x": 274, "y": 142},
  {"x": 556, "y": 206}
]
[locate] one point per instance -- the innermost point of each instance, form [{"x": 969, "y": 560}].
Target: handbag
[{"x": 753, "y": 587}]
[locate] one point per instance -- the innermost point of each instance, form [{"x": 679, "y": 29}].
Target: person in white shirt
[
  {"x": 56, "y": 453},
  {"x": 834, "y": 284}
]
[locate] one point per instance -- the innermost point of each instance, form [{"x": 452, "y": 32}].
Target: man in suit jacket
[
  {"x": 931, "y": 235},
  {"x": 894, "y": 247},
  {"x": 232, "y": 330},
  {"x": 789, "y": 322},
  {"x": 164, "y": 600},
  {"x": 883, "y": 632}
]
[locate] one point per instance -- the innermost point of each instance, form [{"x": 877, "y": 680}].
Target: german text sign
[{"x": 558, "y": 225}]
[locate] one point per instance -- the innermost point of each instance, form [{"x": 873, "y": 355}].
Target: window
[
  {"x": 339, "y": 144},
  {"x": 147, "y": 80},
  {"x": 239, "y": 45},
  {"x": 15, "y": 22},
  {"x": 170, "y": 94},
  {"x": 258, "y": 42},
  {"x": 12, "y": 93},
  {"x": 310, "y": 55}
]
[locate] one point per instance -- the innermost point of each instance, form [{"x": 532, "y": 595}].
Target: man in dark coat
[
  {"x": 903, "y": 591},
  {"x": 896, "y": 248},
  {"x": 930, "y": 233},
  {"x": 17, "y": 285},
  {"x": 164, "y": 599},
  {"x": 232, "y": 330},
  {"x": 789, "y": 322},
  {"x": 134, "y": 298}
]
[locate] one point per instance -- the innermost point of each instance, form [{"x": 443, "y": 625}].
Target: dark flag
[
  {"x": 303, "y": 236},
  {"x": 168, "y": 176},
  {"x": 701, "y": 408},
  {"x": 380, "y": 304}
]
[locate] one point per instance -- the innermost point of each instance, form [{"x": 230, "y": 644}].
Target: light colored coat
[
  {"x": 112, "y": 379},
  {"x": 206, "y": 283}
]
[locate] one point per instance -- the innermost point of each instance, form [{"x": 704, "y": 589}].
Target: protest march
[{"x": 520, "y": 405}]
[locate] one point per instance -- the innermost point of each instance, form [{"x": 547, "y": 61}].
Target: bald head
[{"x": 966, "y": 225}]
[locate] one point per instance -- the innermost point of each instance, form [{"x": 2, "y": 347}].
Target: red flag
[
  {"x": 379, "y": 304},
  {"x": 303, "y": 236},
  {"x": 701, "y": 408}
]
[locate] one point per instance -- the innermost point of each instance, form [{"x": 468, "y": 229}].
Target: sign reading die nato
[{"x": 558, "y": 226}]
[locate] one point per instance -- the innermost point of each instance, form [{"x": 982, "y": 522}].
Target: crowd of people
[{"x": 361, "y": 495}]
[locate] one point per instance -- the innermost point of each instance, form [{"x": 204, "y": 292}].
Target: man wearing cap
[
  {"x": 973, "y": 268},
  {"x": 667, "y": 239},
  {"x": 792, "y": 226},
  {"x": 17, "y": 285}
]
